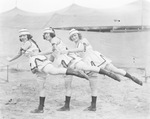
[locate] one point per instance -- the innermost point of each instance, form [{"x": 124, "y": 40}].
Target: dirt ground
[{"x": 116, "y": 100}]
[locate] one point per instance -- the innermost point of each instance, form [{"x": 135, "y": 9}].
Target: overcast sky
[{"x": 52, "y": 5}]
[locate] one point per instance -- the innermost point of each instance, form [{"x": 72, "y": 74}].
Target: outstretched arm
[
  {"x": 46, "y": 52},
  {"x": 81, "y": 46},
  {"x": 17, "y": 56},
  {"x": 76, "y": 50},
  {"x": 22, "y": 50}
]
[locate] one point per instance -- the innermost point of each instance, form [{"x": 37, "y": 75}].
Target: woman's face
[
  {"x": 23, "y": 38},
  {"x": 75, "y": 37},
  {"x": 47, "y": 36}
]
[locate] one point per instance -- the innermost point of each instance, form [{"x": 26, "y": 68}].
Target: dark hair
[
  {"x": 80, "y": 35},
  {"x": 35, "y": 44},
  {"x": 51, "y": 35},
  {"x": 28, "y": 37},
  {"x": 52, "y": 29}
]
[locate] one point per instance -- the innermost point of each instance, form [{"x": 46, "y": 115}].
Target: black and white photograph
[{"x": 74, "y": 59}]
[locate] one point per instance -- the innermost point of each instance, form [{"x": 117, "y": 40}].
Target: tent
[
  {"x": 132, "y": 14},
  {"x": 17, "y": 18},
  {"x": 126, "y": 49}
]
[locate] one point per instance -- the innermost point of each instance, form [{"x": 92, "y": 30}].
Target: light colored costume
[
  {"x": 37, "y": 62},
  {"x": 63, "y": 59},
  {"x": 90, "y": 56}
]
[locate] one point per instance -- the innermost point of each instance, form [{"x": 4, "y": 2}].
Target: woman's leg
[
  {"x": 50, "y": 69},
  {"x": 41, "y": 79},
  {"x": 122, "y": 72},
  {"x": 85, "y": 67},
  {"x": 114, "y": 69},
  {"x": 93, "y": 85},
  {"x": 68, "y": 81}
]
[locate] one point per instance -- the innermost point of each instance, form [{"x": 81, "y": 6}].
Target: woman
[
  {"x": 85, "y": 51},
  {"x": 71, "y": 61},
  {"x": 40, "y": 65}
]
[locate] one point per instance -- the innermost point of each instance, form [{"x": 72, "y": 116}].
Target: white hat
[
  {"x": 72, "y": 31},
  {"x": 49, "y": 30},
  {"x": 24, "y": 32}
]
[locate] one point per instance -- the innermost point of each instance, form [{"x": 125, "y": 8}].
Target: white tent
[
  {"x": 17, "y": 18},
  {"x": 132, "y": 14},
  {"x": 125, "y": 49}
]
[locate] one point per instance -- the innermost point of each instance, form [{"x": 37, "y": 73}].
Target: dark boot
[
  {"x": 66, "y": 107},
  {"x": 77, "y": 73},
  {"x": 92, "y": 107},
  {"x": 109, "y": 74},
  {"x": 40, "y": 107},
  {"x": 134, "y": 79}
]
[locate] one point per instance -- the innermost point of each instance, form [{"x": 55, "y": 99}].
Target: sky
[{"x": 43, "y": 6}]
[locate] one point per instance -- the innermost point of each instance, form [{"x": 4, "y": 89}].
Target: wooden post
[{"x": 7, "y": 73}]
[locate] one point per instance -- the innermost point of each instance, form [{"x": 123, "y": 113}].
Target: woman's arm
[
  {"x": 17, "y": 56},
  {"x": 22, "y": 50},
  {"x": 76, "y": 50},
  {"x": 46, "y": 52},
  {"x": 81, "y": 47}
]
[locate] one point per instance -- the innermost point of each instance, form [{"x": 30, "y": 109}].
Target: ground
[{"x": 116, "y": 100}]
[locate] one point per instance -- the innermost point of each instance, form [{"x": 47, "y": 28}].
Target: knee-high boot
[
  {"x": 92, "y": 107},
  {"x": 133, "y": 79},
  {"x": 77, "y": 73},
  {"x": 40, "y": 107},
  {"x": 66, "y": 107},
  {"x": 109, "y": 74}
]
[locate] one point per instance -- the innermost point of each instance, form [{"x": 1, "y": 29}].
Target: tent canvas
[
  {"x": 132, "y": 14},
  {"x": 125, "y": 49},
  {"x": 17, "y": 18}
]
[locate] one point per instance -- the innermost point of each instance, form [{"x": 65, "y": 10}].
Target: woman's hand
[{"x": 8, "y": 59}]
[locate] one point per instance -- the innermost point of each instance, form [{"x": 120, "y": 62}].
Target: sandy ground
[{"x": 116, "y": 100}]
